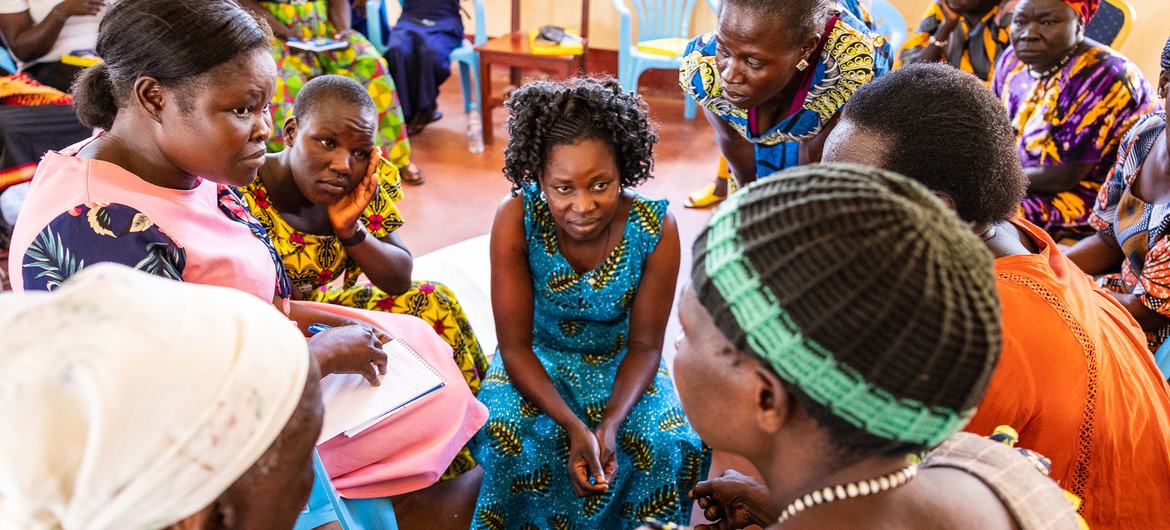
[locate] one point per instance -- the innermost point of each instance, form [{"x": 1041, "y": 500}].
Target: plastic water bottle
[{"x": 474, "y": 131}]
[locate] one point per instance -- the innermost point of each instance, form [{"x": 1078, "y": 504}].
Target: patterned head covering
[
  {"x": 867, "y": 296},
  {"x": 131, "y": 401},
  {"x": 1166, "y": 56},
  {"x": 1085, "y": 8}
]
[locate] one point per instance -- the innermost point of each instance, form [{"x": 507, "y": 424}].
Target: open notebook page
[{"x": 353, "y": 405}]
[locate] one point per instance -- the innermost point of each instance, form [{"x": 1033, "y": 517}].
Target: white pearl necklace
[{"x": 850, "y": 490}]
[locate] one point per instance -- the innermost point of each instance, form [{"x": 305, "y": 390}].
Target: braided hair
[
  {"x": 545, "y": 114},
  {"x": 866, "y": 295}
]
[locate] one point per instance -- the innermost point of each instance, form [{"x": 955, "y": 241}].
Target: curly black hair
[
  {"x": 545, "y": 114},
  {"x": 948, "y": 132}
]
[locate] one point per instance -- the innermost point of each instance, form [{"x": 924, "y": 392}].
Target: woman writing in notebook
[
  {"x": 186, "y": 110},
  {"x": 328, "y": 203}
]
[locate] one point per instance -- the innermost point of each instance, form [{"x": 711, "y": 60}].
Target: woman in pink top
[{"x": 185, "y": 104}]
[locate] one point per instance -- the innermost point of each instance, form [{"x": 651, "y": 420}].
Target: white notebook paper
[{"x": 353, "y": 405}]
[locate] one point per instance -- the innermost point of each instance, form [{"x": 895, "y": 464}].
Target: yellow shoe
[{"x": 703, "y": 197}]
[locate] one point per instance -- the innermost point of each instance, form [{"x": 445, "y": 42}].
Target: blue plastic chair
[
  {"x": 889, "y": 23},
  {"x": 1162, "y": 359},
  {"x": 1112, "y": 23},
  {"x": 325, "y": 506},
  {"x": 664, "y": 27},
  {"x": 465, "y": 55},
  {"x": 7, "y": 62}
]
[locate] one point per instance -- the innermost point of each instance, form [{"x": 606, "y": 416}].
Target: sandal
[
  {"x": 411, "y": 174},
  {"x": 419, "y": 123},
  {"x": 703, "y": 197}
]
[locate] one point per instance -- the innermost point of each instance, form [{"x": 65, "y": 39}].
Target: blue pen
[{"x": 317, "y": 328}]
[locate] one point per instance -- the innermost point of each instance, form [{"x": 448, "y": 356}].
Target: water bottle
[{"x": 474, "y": 131}]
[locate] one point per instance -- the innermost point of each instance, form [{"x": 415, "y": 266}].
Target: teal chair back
[
  {"x": 7, "y": 63},
  {"x": 657, "y": 19},
  {"x": 890, "y": 23},
  {"x": 1162, "y": 359},
  {"x": 661, "y": 19},
  {"x": 465, "y": 55}
]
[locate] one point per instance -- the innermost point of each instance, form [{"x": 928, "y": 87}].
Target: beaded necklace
[
  {"x": 860, "y": 488},
  {"x": 1056, "y": 67}
]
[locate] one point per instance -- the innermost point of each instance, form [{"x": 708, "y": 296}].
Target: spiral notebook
[{"x": 353, "y": 405}]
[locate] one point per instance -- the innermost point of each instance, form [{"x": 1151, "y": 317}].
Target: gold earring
[{"x": 802, "y": 65}]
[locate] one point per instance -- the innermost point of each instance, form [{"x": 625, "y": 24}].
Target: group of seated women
[{"x": 842, "y": 322}]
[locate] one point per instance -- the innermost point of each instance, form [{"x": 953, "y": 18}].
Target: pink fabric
[
  {"x": 409, "y": 450},
  {"x": 405, "y": 452},
  {"x": 219, "y": 251}
]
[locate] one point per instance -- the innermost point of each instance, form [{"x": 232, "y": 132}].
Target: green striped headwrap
[{"x": 872, "y": 301}]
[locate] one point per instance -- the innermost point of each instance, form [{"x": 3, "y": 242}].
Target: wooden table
[{"x": 513, "y": 51}]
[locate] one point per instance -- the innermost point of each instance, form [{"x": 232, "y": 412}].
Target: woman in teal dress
[{"x": 586, "y": 430}]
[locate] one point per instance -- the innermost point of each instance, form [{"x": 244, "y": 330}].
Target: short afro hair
[
  {"x": 806, "y": 15},
  {"x": 545, "y": 114},
  {"x": 949, "y": 132},
  {"x": 332, "y": 88}
]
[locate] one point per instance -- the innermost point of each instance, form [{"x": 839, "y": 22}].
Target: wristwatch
[{"x": 357, "y": 237}]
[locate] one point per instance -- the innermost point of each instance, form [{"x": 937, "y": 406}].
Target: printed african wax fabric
[
  {"x": 1078, "y": 115},
  {"x": 972, "y": 47},
  {"x": 581, "y": 330},
  {"x": 1139, "y": 227},
  {"x": 853, "y": 55},
  {"x": 360, "y": 61},
  {"x": 317, "y": 263}
]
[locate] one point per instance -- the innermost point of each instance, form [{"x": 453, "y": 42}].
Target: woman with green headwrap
[{"x": 846, "y": 320}]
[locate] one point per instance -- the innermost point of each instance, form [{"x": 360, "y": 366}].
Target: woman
[
  {"x": 133, "y": 196},
  {"x": 290, "y": 19},
  {"x": 327, "y": 203},
  {"x": 1132, "y": 223},
  {"x": 838, "y": 348},
  {"x": 772, "y": 77},
  {"x": 1071, "y": 100},
  {"x": 583, "y": 270},
  {"x": 418, "y": 50},
  {"x": 186, "y": 110},
  {"x": 38, "y": 33},
  {"x": 159, "y": 424},
  {"x": 1074, "y": 375},
  {"x": 967, "y": 34}
]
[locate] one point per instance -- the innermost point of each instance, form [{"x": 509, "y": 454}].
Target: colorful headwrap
[
  {"x": 1085, "y": 8},
  {"x": 130, "y": 401},
  {"x": 1166, "y": 56},
  {"x": 863, "y": 292}
]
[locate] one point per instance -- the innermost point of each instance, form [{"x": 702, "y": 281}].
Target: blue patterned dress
[
  {"x": 853, "y": 53},
  {"x": 580, "y": 334}
]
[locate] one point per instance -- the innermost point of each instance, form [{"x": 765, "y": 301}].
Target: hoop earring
[
  {"x": 543, "y": 197},
  {"x": 802, "y": 65}
]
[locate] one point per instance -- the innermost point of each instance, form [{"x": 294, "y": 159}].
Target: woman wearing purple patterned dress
[{"x": 1071, "y": 101}]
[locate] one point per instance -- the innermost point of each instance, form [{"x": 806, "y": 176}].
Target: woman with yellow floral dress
[
  {"x": 328, "y": 203},
  {"x": 299, "y": 19}
]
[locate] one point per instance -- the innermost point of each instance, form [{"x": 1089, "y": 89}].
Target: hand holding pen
[{"x": 349, "y": 350}]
